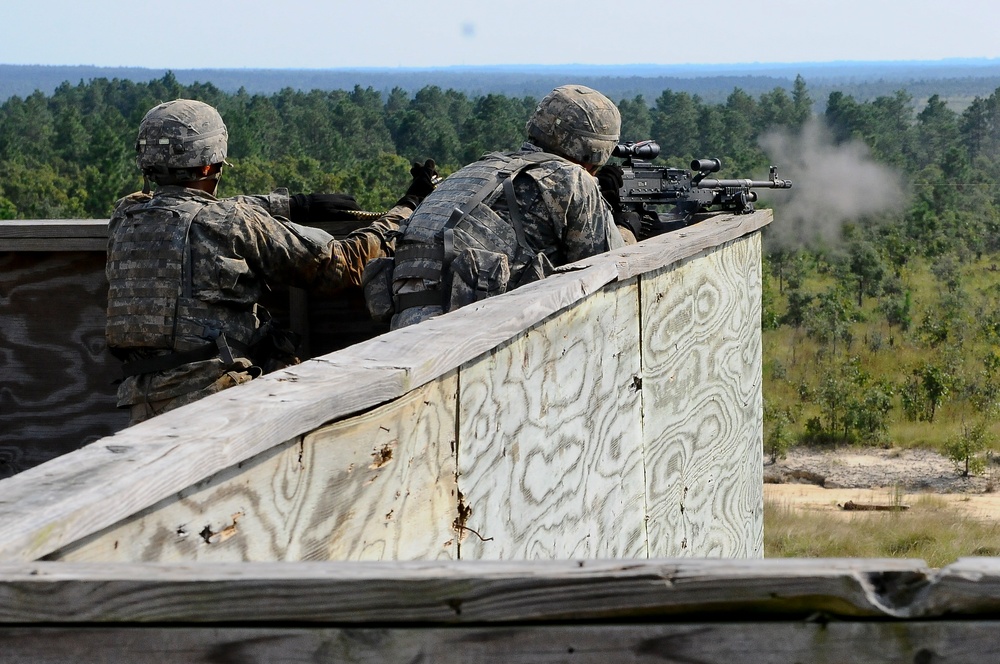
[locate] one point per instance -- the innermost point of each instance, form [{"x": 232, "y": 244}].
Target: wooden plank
[
  {"x": 968, "y": 587},
  {"x": 57, "y": 392},
  {"x": 702, "y": 408},
  {"x": 550, "y": 454},
  {"x": 455, "y": 592},
  {"x": 704, "y": 643},
  {"x": 71, "y": 497},
  {"x": 663, "y": 250},
  {"x": 53, "y": 228},
  {"x": 376, "y": 486},
  {"x": 54, "y": 235},
  {"x": 57, "y": 244}
]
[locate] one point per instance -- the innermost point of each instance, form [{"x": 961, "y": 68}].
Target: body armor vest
[
  {"x": 150, "y": 305},
  {"x": 459, "y": 215}
]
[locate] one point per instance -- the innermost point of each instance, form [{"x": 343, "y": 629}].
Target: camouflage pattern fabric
[
  {"x": 576, "y": 122},
  {"x": 564, "y": 217},
  {"x": 238, "y": 247},
  {"x": 183, "y": 133}
]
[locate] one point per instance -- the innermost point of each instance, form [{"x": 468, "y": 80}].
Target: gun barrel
[{"x": 749, "y": 184}]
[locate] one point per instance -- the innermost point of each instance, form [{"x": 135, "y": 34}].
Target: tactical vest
[
  {"x": 150, "y": 302},
  {"x": 457, "y": 218}
]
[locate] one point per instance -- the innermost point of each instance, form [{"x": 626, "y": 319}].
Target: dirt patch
[{"x": 826, "y": 480}]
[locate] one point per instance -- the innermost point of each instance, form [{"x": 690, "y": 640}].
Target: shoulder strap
[{"x": 504, "y": 176}]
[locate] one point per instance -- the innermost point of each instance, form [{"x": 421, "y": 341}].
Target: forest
[
  {"x": 957, "y": 80},
  {"x": 880, "y": 328}
]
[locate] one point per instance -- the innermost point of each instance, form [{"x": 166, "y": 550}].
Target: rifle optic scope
[
  {"x": 706, "y": 165},
  {"x": 642, "y": 150}
]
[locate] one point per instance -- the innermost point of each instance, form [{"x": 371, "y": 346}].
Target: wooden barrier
[
  {"x": 569, "y": 472},
  {"x": 57, "y": 390},
  {"x": 59, "y": 382},
  {"x": 711, "y": 611},
  {"x": 610, "y": 411}
]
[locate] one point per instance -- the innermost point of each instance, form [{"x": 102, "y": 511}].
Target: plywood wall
[
  {"x": 702, "y": 408},
  {"x": 626, "y": 424},
  {"x": 380, "y": 486},
  {"x": 57, "y": 390}
]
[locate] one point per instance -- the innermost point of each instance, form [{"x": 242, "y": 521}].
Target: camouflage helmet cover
[
  {"x": 576, "y": 122},
  {"x": 180, "y": 134}
]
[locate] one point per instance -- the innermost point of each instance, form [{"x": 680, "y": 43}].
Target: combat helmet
[
  {"x": 178, "y": 136},
  {"x": 576, "y": 122}
]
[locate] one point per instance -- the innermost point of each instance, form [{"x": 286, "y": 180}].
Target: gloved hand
[
  {"x": 630, "y": 220},
  {"x": 609, "y": 181},
  {"x": 423, "y": 182},
  {"x": 309, "y": 208}
]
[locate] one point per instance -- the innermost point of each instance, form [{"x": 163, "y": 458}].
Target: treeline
[
  {"x": 957, "y": 81},
  {"x": 889, "y": 334},
  {"x": 70, "y": 154}
]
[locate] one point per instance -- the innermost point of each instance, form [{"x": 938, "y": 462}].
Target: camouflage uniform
[
  {"x": 562, "y": 218},
  {"x": 507, "y": 219},
  {"x": 178, "y": 299}
]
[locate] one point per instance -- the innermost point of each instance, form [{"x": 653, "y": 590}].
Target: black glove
[
  {"x": 310, "y": 208},
  {"x": 609, "y": 181},
  {"x": 424, "y": 177},
  {"x": 630, "y": 219}
]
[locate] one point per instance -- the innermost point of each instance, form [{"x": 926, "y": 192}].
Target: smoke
[{"x": 832, "y": 185}]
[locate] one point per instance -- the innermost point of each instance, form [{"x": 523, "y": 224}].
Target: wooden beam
[
  {"x": 53, "y": 228},
  {"x": 54, "y": 235},
  {"x": 459, "y": 592},
  {"x": 949, "y": 642}
]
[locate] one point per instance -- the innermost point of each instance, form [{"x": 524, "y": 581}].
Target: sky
[{"x": 334, "y": 34}]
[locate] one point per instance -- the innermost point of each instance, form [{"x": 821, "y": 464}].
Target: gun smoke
[{"x": 834, "y": 184}]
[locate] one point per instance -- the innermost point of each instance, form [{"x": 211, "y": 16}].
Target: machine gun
[{"x": 686, "y": 193}]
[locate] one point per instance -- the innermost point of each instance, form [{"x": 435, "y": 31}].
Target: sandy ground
[{"x": 825, "y": 481}]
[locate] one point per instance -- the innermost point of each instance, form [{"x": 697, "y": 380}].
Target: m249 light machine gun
[{"x": 684, "y": 193}]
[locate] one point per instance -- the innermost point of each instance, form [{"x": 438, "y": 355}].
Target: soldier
[
  {"x": 507, "y": 219},
  {"x": 186, "y": 269}
]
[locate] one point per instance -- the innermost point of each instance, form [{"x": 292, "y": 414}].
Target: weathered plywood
[
  {"x": 669, "y": 248},
  {"x": 54, "y": 235},
  {"x": 971, "y": 642},
  {"x": 56, "y": 376},
  {"x": 89, "y": 490},
  {"x": 376, "y": 486},
  {"x": 76, "y": 495},
  {"x": 702, "y": 407},
  {"x": 550, "y": 458}
]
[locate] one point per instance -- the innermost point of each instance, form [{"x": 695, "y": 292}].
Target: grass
[
  {"x": 930, "y": 530},
  {"x": 794, "y": 363}
]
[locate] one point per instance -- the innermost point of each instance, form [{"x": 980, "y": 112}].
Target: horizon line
[{"x": 521, "y": 67}]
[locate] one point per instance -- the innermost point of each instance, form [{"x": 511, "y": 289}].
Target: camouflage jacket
[
  {"x": 239, "y": 247},
  {"x": 563, "y": 216}
]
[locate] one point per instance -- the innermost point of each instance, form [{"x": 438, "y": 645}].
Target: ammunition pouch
[
  {"x": 477, "y": 274},
  {"x": 376, "y": 282}
]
